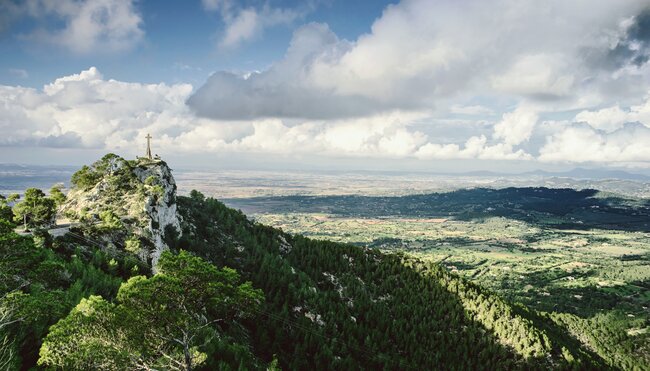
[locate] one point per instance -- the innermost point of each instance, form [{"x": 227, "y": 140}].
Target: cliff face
[
  {"x": 160, "y": 205},
  {"x": 131, "y": 204}
]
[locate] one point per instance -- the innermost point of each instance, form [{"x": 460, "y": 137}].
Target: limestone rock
[{"x": 127, "y": 198}]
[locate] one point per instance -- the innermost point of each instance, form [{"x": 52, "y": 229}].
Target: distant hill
[
  {"x": 582, "y": 173},
  {"x": 559, "y": 207},
  {"x": 577, "y": 173}
]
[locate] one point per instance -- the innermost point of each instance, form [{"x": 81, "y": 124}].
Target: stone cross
[{"x": 148, "y": 137}]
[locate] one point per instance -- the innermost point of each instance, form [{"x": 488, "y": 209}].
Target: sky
[{"x": 426, "y": 85}]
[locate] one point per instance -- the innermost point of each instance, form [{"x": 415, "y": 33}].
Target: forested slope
[{"x": 337, "y": 305}]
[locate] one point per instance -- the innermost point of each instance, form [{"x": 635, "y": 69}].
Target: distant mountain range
[
  {"x": 577, "y": 173},
  {"x": 16, "y": 178},
  {"x": 582, "y": 173},
  {"x": 8, "y": 169}
]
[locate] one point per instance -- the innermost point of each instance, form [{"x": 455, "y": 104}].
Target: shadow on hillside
[
  {"x": 423, "y": 315},
  {"x": 557, "y": 208},
  {"x": 563, "y": 208},
  {"x": 588, "y": 301}
]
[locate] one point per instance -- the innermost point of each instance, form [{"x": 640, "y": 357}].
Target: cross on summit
[{"x": 149, "y": 156}]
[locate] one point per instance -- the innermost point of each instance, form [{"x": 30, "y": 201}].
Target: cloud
[
  {"x": 86, "y": 110},
  {"x": 607, "y": 119},
  {"x": 249, "y": 23},
  {"x": 548, "y": 60},
  {"x": 275, "y": 93},
  {"x": 517, "y": 126},
  {"x": 517, "y": 71},
  {"x": 476, "y": 147},
  {"x": 418, "y": 56},
  {"x": 633, "y": 47},
  {"x": 243, "y": 24},
  {"x": 613, "y": 118},
  {"x": 382, "y": 136},
  {"x": 582, "y": 143},
  {"x": 67, "y": 140},
  {"x": 537, "y": 76},
  {"x": 84, "y": 26}
]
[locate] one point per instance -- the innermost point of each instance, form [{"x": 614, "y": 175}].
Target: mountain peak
[{"x": 134, "y": 200}]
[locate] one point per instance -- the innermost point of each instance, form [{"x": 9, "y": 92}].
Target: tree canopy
[
  {"x": 166, "y": 321},
  {"x": 57, "y": 195},
  {"x": 35, "y": 209}
]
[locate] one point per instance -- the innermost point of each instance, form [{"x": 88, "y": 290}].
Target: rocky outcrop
[
  {"x": 127, "y": 201},
  {"x": 160, "y": 205}
]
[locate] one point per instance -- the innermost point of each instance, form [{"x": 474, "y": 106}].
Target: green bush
[
  {"x": 85, "y": 178},
  {"x": 110, "y": 220}
]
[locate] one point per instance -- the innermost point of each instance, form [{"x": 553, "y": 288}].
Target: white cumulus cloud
[
  {"x": 582, "y": 143},
  {"x": 475, "y": 147},
  {"x": 517, "y": 126},
  {"x": 88, "y": 110},
  {"x": 243, "y": 24},
  {"x": 613, "y": 118},
  {"x": 96, "y": 112},
  {"x": 420, "y": 53},
  {"x": 84, "y": 26}
]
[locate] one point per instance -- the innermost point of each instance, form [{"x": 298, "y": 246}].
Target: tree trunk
[{"x": 186, "y": 351}]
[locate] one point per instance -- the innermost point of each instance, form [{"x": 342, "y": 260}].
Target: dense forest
[{"x": 233, "y": 294}]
